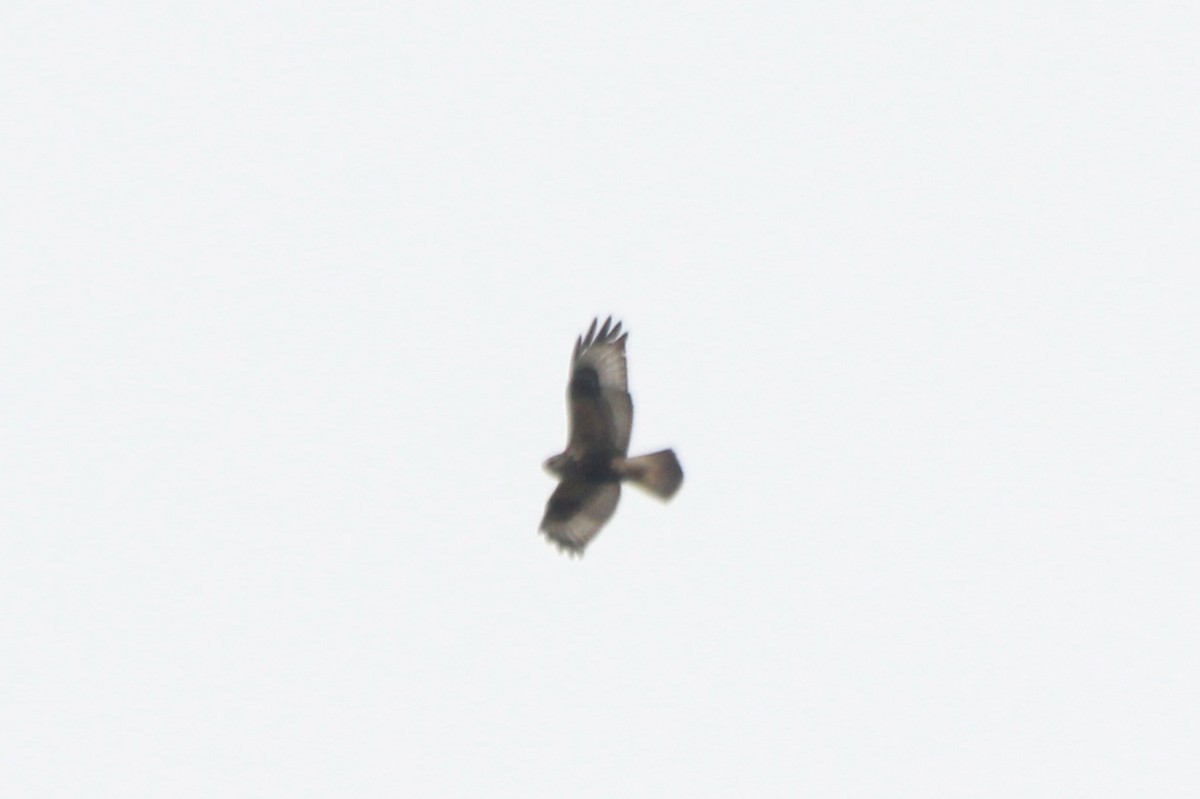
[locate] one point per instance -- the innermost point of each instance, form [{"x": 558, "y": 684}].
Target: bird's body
[{"x": 595, "y": 461}]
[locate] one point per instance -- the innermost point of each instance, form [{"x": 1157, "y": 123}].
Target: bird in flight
[{"x": 595, "y": 463}]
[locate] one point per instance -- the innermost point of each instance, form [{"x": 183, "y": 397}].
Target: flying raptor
[{"x": 595, "y": 463}]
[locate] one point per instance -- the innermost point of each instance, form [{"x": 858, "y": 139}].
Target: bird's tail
[{"x": 659, "y": 472}]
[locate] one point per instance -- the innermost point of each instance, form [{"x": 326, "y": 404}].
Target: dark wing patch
[{"x": 585, "y": 383}]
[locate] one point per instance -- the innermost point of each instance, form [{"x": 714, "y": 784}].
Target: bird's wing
[
  {"x": 598, "y": 401},
  {"x": 577, "y": 510}
]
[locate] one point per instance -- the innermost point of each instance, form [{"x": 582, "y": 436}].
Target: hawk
[{"x": 594, "y": 464}]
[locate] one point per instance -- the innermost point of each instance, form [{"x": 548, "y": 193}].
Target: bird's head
[{"x": 556, "y": 464}]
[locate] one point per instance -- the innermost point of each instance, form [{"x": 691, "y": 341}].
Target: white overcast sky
[{"x": 288, "y": 294}]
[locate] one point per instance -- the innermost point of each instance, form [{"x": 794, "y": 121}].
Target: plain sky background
[{"x": 288, "y": 296}]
